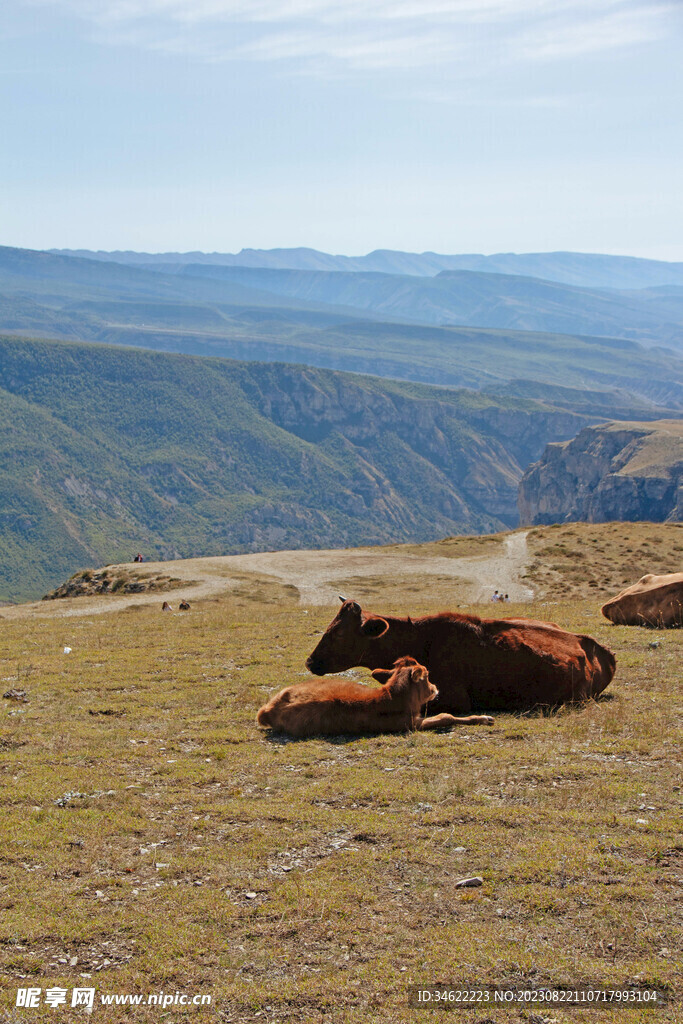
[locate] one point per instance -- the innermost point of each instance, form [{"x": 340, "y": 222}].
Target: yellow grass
[
  {"x": 315, "y": 880},
  {"x": 599, "y": 560}
]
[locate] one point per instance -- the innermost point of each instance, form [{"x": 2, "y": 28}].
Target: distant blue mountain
[
  {"x": 466, "y": 298},
  {"x": 585, "y": 270},
  {"x": 458, "y": 328}
]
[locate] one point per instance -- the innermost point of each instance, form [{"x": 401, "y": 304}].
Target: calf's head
[
  {"x": 410, "y": 678},
  {"x": 346, "y": 640}
]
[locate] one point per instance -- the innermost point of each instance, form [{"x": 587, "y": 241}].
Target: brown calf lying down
[{"x": 313, "y": 708}]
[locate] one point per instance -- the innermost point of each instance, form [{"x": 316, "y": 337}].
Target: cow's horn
[{"x": 342, "y": 599}]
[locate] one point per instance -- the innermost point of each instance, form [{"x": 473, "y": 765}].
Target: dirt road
[{"x": 315, "y": 574}]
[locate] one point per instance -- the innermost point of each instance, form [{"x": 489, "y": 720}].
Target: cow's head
[
  {"x": 410, "y": 678},
  {"x": 346, "y": 640}
]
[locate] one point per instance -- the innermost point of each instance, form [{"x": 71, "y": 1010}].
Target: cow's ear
[
  {"x": 374, "y": 628},
  {"x": 350, "y": 608},
  {"x": 382, "y": 675},
  {"x": 405, "y": 662}
]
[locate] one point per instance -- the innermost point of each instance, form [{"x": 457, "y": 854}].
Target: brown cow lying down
[
  {"x": 504, "y": 664},
  {"x": 313, "y": 708},
  {"x": 655, "y": 601}
]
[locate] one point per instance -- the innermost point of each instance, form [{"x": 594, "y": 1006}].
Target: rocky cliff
[
  {"x": 476, "y": 444},
  {"x": 614, "y": 471}
]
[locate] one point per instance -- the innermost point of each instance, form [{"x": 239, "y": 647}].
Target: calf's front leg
[{"x": 444, "y": 720}]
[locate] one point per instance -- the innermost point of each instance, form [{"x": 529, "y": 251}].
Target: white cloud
[
  {"x": 605, "y": 30},
  {"x": 350, "y": 35}
]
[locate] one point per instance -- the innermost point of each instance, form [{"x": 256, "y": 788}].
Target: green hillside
[
  {"x": 107, "y": 451},
  {"x": 456, "y": 357}
]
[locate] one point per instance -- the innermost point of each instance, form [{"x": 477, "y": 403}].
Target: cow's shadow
[
  {"x": 281, "y": 739},
  {"x": 558, "y": 710},
  {"x": 539, "y": 711}
]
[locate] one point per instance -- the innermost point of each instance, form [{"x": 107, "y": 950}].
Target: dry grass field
[
  {"x": 600, "y": 559},
  {"x": 155, "y": 840}
]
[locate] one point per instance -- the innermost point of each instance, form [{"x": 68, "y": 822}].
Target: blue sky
[{"x": 345, "y": 125}]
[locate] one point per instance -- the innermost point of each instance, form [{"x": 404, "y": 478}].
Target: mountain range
[
  {"x": 105, "y": 451},
  {"x": 641, "y": 300},
  {"x": 585, "y": 270},
  {"x": 244, "y": 430},
  {"x": 472, "y": 299},
  {"x": 357, "y": 321}
]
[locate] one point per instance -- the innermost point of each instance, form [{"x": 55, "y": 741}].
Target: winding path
[{"x": 315, "y": 574}]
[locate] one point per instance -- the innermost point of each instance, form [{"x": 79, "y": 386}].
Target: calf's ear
[
  {"x": 381, "y": 674},
  {"x": 374, "y": 628}
]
